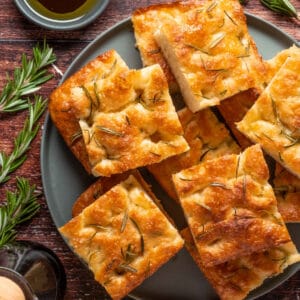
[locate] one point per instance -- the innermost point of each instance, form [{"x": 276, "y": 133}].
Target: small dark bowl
[{"x": 55, "y": 24}]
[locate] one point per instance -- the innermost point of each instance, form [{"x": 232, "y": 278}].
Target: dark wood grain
[{"x": 17, "y": 36}]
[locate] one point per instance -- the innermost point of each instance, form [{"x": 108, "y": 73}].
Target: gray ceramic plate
[{"x": 64, "y": 178}]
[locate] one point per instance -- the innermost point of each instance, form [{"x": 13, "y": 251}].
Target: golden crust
[
  {"x": 207, "y": 137},
  {"x": 274, "y": 120},
  {"x": 126, "y": 117},
  {"x": 234, "y": 279},
  {"x": 211, "y": 53},
  {"x": 287, "y": 191},
  {"x": 123, "y": 237},
  {"x": 230, "y": 207}
]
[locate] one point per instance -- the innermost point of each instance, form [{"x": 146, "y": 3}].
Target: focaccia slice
[
  {"x": 127, "y": 117},
  {"x": 234, "y": 279},
  {"x": 123, "y": 237},
  {"x": 65, "y": 110},
  {"x": 145, "y": 22},
  {"x": 211, "y": 53},
  {"x": 274, "y": 120},
  {"x": 207, "y": 137},
  {"x": 230, "y": 206}
]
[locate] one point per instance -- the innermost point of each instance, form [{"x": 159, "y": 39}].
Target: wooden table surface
[{"x": 18, "y": 35}]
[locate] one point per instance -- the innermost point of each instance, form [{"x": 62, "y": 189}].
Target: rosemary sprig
[
  {"x": 76, "y": 136},
  {"x": 9, "y": 163},
  {"x": 281, "y": 6},
  {"x": 124, "y": 221},
  {"x": 20, "y": 206},
  {"x": 220, "y": 185},
  {"x": 110, "y": 131},
  {"x": 126, "y": 268},
  {"x": 27, "y": 79},
  {"x": 230, "y": 18},
  {"x": 142, "y": 242}
]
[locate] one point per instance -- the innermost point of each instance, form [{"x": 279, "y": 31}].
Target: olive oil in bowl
[
  {"x": 61, "y": 14},
  {"x": 62, "y": 9}
]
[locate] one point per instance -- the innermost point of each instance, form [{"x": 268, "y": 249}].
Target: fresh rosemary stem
[
  {"x": 281, "y": 6},
  {"x": 20, "y": 206},
  {"x": 27, "y": 79},
  {"x": 9, "y": 163}
]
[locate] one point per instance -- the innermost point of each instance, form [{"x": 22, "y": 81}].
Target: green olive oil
[{"x": 62, "y": 10}]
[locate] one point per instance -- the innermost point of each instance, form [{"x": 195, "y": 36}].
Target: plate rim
[{"x": 88, "y": 50}]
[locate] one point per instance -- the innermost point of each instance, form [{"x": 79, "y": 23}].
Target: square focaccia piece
[
  {"x": 207, "y": 137},
  {"x": 230, "y": 206},
  {"x": 211, "y": 53},
  {"x": 123, "y": 237},
  {"x": 145, "y": 22},
  {"x": 66, "y": 110},
  {"x": 234, "y": 279},
  {"x": 274, "y": 120},
  {"x": 127, "y": 118}
]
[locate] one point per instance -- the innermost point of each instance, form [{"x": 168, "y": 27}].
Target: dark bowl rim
[{"x": 52, "y": 24}]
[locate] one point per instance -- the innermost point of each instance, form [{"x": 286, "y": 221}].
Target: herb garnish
[
  {"x": 284, "y": 130},
  {"x": 124, "y": 221},
  {"x": 282, "y": 259},
  {"x": 26, "y": 79},
  {"x": 76, "y": 136},
  {"x": 110, "y": 71},
  {"x": 126, "y": 268},
  {"x": 155, "y": 154},
  {"x": 216, "y": 41},
  {"x": 203, "y": 154},
  {"x": 9, "y": 163},
  {"x": 220, "y": 185},
  {"x": 185, "y": 179},
  {"x": 212, "y": 6},
  {"x": 281, "y": 6},
  {"x": 20, "y": 206},
  {"x": 109, "y": 131},
  {"x": 197, "y": 48},
  {"x": 140, "y": 233},
  {"x": 229, "y": 17}
]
